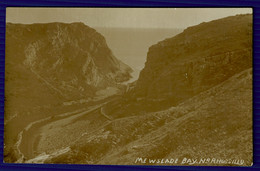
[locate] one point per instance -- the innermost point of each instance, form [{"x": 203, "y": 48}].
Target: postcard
[{"x": 129, "y": 86}]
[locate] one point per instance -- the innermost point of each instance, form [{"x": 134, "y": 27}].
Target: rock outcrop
[
  {"x": 73, "y": 60},
  {"x": 49, "y": 64},
  {"x": 199, "y": 58}
]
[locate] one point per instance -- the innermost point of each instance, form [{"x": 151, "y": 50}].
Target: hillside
[
  {"x": 216, "y": 123},
  {"x": 192, "y": 100},
  {"x": 72, "y": 59},
  {"x": 191, "y": 62},
  {"x": 199, "y": 58},
  {"x": 205, "y": 126},
  {"x": 49, "y": 64}
]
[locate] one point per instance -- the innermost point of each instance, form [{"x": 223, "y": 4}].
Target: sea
[{"x": 130, "y": 45}]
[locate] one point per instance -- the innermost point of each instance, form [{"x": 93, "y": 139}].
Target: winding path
[{"x": 28, "y": 136}]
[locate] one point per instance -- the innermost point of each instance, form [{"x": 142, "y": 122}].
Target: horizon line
[{"x": 8, "y": 22}]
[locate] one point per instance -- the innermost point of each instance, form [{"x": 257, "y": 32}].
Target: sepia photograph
[{"x": 129, "y": 86}]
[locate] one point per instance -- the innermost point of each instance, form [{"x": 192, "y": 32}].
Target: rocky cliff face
[
  {"x": 72, "y": 60},
  {"x": 48, "y": 64},
  {"x": 196, "y": 60}
]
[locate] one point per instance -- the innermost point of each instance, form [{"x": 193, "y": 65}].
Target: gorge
[{"x": 192, "y": 99}]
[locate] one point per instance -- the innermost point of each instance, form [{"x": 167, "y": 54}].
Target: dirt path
[
  {"x": 102, "y": 112},
  {"x": 30, "y": 136}
]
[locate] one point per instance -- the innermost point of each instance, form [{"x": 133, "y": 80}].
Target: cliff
[
  {"x": 197, "y": 59},
  {"x": 49, "y": 64},
  {"x": 69, "y": 61}
]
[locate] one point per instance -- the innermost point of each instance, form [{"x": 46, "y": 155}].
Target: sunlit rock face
[{"x": 72, "y": 60}]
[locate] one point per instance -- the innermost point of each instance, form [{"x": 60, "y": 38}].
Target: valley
[
  {"x": 48, "y": 135},
  {"x": 69, "y": 100}
]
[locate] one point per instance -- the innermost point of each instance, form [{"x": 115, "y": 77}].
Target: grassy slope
[{"x": 216, "y": 123}]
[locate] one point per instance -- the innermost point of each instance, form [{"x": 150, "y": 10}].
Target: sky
[{"x": 122, "y": 17}]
